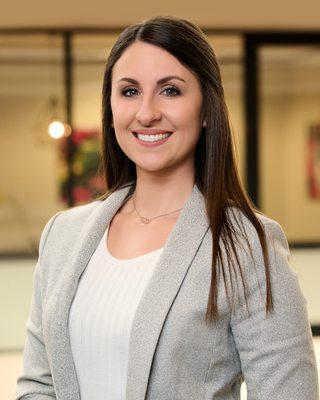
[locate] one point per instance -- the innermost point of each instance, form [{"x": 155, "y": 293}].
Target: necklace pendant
[{"x": 144, "y": 220}]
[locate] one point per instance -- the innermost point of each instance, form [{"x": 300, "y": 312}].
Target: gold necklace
[{"x": 145, "y": 220}]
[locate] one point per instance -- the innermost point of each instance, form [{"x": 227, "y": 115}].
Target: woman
[{"x": 171, "y": 285}]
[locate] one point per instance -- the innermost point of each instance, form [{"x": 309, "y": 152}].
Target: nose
[{"x": 148, "y": 111}]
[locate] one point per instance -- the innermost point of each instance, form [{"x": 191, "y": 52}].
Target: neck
[{"x": 156, "y": 197}]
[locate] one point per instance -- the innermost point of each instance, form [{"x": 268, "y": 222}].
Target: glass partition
[
  {"x": 290, "y": 138},
  {"x": 31, "y": 96}
]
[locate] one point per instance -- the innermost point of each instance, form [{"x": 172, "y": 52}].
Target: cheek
[
  {"x": 120, "y": 111},
  {"x": 186, "y": 120},
  {"x": 185, "y": 117}
]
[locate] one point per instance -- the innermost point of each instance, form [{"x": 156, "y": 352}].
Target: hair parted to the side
[{"x": 216, "y": 173}]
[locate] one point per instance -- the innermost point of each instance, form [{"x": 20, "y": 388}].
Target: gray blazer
[{"x": 173, "y": 354}]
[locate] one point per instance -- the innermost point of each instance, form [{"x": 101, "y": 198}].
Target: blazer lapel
[
  {"x": 173, "y": 264},
  {"x": 56, "y": 328},
  {"x": 176, "y": 257}
]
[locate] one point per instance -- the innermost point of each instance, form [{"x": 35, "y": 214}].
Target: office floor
[{"x": 10, "y": 366}]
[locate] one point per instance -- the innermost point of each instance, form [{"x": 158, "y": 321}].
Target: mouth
[
  {"x": 151, "y": 140},
  {"x": 151, "y": 134}
]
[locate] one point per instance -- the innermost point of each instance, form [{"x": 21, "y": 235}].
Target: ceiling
[{"x": 252, "y": 14}]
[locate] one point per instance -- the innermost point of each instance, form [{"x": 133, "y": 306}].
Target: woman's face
[{"x": 173, "y": 105}]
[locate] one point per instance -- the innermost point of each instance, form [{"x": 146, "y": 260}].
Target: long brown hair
[{"x": 216, "y": 173}]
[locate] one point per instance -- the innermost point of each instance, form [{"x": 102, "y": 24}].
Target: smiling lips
[
  {"x": 151, "y": 131},
  {"x": 151, "y": 137}
]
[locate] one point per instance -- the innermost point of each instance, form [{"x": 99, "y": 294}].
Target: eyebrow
[{"x": 159, "y": 82}]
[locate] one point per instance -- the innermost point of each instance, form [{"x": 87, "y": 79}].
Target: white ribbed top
[{"x": 100, "y": 320}]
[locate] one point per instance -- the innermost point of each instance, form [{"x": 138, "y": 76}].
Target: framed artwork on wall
[
  {"x": 88, "y": 182},
  {"x": 313, "y": 161}
]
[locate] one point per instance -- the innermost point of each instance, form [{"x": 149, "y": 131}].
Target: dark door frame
[{"x": 253, "y": 41}]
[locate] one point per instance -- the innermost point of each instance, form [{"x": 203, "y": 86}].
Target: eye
[
  {"x": 171, "y": 89},
  {"x": 123, "y": 92},
  {"x": 174, "y": 89}
]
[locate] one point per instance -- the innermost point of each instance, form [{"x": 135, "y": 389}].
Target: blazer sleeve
[
  {"x": 275, "y": 350},
  {"x": 35, "y": 382}
]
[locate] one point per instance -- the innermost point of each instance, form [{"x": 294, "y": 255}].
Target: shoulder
[
  {"x": 76, "y": 215},
  {"x": 249, "y": 246},
  {"x": 64, "y": 225},
  {"x": 244, "y": 227},
  {"x": 236, "y": 214}
]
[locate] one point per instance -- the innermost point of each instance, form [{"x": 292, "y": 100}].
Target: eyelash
[{"x": 168, "y": 88}]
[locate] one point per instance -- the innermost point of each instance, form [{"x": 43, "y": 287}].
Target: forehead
[{"x": 143, "y": 60}]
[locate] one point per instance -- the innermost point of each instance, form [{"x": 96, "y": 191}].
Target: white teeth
[{"x": 152, "y": 138}]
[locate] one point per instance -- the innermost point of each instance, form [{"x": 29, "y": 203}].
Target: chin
[{"x": 152, "y": 167}]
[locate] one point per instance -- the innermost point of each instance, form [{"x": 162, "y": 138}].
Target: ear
[{"x": 204, "y": 123}]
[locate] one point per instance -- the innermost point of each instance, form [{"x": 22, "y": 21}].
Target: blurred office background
[{"x": 51, "y": 69}]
